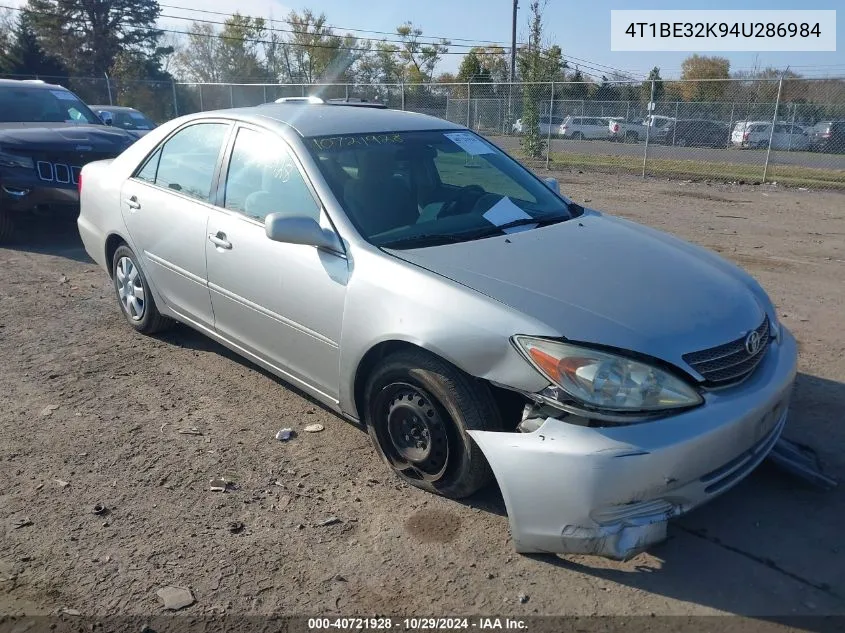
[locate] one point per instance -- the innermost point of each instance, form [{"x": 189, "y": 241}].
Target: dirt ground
[{"x": 92, "y": 413}]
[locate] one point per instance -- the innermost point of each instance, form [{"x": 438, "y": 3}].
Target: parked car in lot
[
  {"x": 628, "y": 131},
  {"x": 125, "y": 118},
  {"x": 756, "y": 135},
  {"x": 415, "y": 279},
  {"x": 657, "y": 121},
  {"x": 579, "y": 128},
  {"x": 46, "y": 135},
  {"x": 549, "y": 125},
  {"x": 693, "y": 132},
  {"x": 827, "y": 136}
]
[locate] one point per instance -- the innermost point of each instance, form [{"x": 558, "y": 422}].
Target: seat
[
  {"x": 376, "y": 200},
  {"x": 282, "y": 191}
]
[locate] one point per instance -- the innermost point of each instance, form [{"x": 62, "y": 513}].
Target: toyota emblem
[{"x": 752, "y": 342}]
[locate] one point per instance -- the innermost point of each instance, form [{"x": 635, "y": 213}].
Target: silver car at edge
[{"x": 418, "y": 281}]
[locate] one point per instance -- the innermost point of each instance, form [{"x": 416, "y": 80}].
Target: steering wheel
[{"x": 461, "y": 202}]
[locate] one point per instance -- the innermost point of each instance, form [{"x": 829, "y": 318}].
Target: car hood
[
  {"x": 606, "y": 281},
  {"x": 64, "y": 137}
]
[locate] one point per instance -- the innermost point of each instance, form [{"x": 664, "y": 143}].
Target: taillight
[
  {"x": 564, "y": 127},
  {"x": 615, "y": 127},
  {"x": 745, "y": 136}
]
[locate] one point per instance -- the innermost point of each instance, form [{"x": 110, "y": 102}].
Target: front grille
[
  {"x": 64, "y": 167},
  {"x": 731, "y": 362}
]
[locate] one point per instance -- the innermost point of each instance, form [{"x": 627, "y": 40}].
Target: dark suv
[
  {"x": 828, "y": 136},
  {"x": 46, "y": 135}
]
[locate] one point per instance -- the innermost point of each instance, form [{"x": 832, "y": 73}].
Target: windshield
[
  {"x": 39, "y": 105},
  {"x": 130, "y": 120},
  {"x": 409, "y": 189}
]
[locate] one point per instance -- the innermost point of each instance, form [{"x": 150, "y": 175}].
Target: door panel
[
  {"x": 169, "y": 231},
  {"x": 283, "y": 302},
  {"x": 166, "y": 208}
]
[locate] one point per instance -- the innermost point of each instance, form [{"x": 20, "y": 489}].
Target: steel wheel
[
  {"x": 130, "y": 288},
  {"x": 414, "y": 433}
]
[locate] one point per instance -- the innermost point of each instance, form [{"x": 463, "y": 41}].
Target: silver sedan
[{"x": 420, "y": 282}]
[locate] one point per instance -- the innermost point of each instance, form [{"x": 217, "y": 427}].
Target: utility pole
[{"x": 513, "y": 41}]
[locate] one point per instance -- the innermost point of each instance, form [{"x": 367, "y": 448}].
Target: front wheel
[
  {"x": 133, "y": 293},
  {"x": 7, "y": 227},
  {"x": 418, "y": 411}
]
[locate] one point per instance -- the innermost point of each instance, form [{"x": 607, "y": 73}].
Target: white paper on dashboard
[
  {"x": 470, "y": 143},
  {"x": 504, "y": 212}
]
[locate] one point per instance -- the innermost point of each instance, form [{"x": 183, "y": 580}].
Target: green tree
[
  {"x": 418, "y": 59},
  {"x": 532, "y": 68},
  {"x": 471, "y": 69},
  {"x": 659, "y": 87},
  {"x": 23, "y": 54},
  {"x": 315, "y": 53},
  {"x": 696, "y": 70},
  {"x": 89, "y": 34}
]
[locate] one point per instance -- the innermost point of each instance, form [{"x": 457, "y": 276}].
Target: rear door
[
  {"x": 282, "y": 303},
  {"x": 166, "y": 205}
]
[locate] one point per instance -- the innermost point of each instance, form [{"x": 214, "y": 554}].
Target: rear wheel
[
  {"x": 418, "y": 411},
  {"x": 133, "y": 293},
  {"x": 577, "y": 136}
]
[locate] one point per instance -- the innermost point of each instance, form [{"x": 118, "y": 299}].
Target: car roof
[
  {"x": 332, "y": 119},
  {"x": 29, "y": 83}
]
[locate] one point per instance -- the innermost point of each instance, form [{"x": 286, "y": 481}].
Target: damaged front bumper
[{"x": 611, "y": 491}]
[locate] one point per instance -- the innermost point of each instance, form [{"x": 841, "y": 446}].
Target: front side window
[
  {"x": 188, "y": 158},
  {"x": 410, "y": 189},
  {"x": 263, "y": 179}
]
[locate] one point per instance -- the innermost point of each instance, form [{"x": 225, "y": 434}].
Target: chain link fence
[{"x": 786, "y": 130}]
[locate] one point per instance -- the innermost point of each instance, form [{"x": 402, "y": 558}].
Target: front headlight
[
  {"x": 606, "y": 381},
  {"x": 15, "y": 160}
]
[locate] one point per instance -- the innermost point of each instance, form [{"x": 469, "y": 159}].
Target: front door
[
  {"x": 280, "y": 302},
  {"x": 166, "y": 207}
]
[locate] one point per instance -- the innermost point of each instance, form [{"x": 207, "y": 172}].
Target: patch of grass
[{"x": 791, "y": 175}]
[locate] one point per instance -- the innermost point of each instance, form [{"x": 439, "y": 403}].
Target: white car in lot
[
  {"x": 580, "y": 128},
  {"x": 548, "y": 125},
  {"x": 756, "y": 134}
]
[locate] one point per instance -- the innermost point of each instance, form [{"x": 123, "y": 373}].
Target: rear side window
[{"x": 186, "y": 161}]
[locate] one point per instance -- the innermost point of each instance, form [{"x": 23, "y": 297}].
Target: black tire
[
  {"x": 7, "y": 227},
  {"x": 415, "y": 396},
  {"x": 147, "y": 319},
  {"x": 632, "y": 137}
]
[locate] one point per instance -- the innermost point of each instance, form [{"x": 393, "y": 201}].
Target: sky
[{"x": 581, "y": 29}]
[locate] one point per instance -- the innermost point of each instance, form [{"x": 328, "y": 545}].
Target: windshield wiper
[
  {"x": 494, "y": 229},
  {"x": 422, "y": 240}
]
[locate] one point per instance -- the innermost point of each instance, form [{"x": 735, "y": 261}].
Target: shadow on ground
[{"x": 49, "y": 235}]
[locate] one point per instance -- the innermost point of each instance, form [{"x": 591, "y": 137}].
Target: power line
[{"x": 333, "y": 27}]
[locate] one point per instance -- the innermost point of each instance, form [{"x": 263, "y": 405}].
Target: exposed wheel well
[
  {"x": 113, "y": 242},
  {"x": 509, "y": 402}
]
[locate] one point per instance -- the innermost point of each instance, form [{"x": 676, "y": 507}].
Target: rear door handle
[
  {"x": 219, "y": 240},
  {"x": 133, "y": 203}
]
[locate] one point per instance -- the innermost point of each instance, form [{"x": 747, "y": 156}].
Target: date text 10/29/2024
[{"x": 417, "y": 624}]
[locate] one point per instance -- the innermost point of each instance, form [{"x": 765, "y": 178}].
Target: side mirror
[
  {"x": 552, "y": 184},
  {"x": 106, "y": 117},
  {"x": 300, "y": 229}
]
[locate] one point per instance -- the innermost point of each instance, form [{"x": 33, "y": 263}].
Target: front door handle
[
  {"x": 133, "y": 203},
  {"x": 219, "y": 240}
]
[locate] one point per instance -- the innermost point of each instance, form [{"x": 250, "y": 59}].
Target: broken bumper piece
[{"x": 611, "y": 491}]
